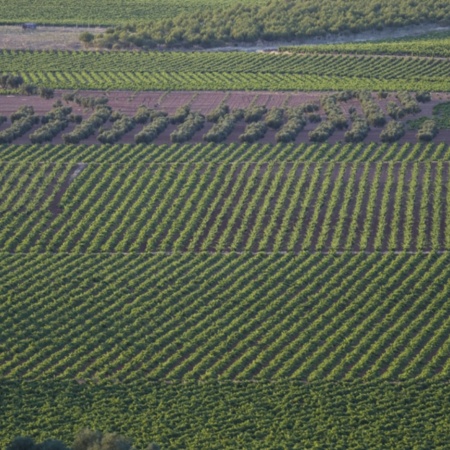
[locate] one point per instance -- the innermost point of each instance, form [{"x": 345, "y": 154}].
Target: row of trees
[{"x": 275, "y": 20}]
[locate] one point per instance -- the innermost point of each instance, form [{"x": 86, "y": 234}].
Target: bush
[
  {"x": 180, "y": 115},
  {"x": 218, "y": 113},
  {"x": 223, "y": 128},
  {"x": 428, "y": 130},
  {"x": 374, "y": 114},
  {"x": 253, "y": 132},
  {"x": 22, "y": 123},
  {"x": 393, "y": 131},
  {"x": 46, "y": 93},
  {"x": 275, "y": 118},
  {"x": 254, "y": 113},
  {"x": 143, "y": 114},
  {"x": 408, "y": 102},
  {"x": 28, "y": 89},
  {"x": 334, "y": 112},
  {"x": 152, "y": 131},
  {"x": 120, "y": 127},
  {"x": 323, "y": 131},
  {"x": 21, "y": 443},
  {"x": 423, "y": 96},
  {"x": 89, "y": 126},
  {"x": 22, "y": 112},
  {"x": 188, "y": 128},
  {"x": 49, "y": 131},
  {"x": 86, "y": 37},
  {"x": 395, "y": 111},
  {"x": 291, "y": 129},
  {"x": 358, "y": 132},
  {"x": 8, "y": 81}
]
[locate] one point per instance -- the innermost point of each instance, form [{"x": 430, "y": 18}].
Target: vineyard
[
  {"x": 220, "y": 317},
  {"x": 254, "y": 207},
  {"x": 223, "y": 153},
  {"x": 104, "y": 12},
  {"x": 432, "y": 45},
  {"x": 224, "y": 71},
  {"x": 376, "y": 415},
  {"x": 206, "y": 250}
]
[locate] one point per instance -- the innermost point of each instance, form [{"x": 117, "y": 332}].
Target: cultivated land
[
  {"x": 254, "y": 294},
  {"x": 128, "y": 103}
]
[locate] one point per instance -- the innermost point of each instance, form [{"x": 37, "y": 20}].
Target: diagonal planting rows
[
  {"x": 309, "y": 317},
  {"x": 244, "y": 207}
]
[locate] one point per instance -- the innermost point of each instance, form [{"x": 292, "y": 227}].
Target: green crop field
[
  {"x": 103, "y": 12},
  {"x": 434, "y": 44},
  {"x": 224, "y": 71},
  {"x": 254, "y": 207},
  {"x": 277, "y": 277}
]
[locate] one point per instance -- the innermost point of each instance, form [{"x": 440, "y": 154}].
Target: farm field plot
[
  {"x": 308, "y": 317},
  {"x": 103, "y": 12},
  {"x": 253, "y": 207},
  {"x": 127, "y": 103},
  {"x": 376, "y": 415},
  {"x": 222, "y": 153},
  {"x": 207, "y": 250},
  {"x": 225, "y": 71},
  {"x": 432, "y": 45}
]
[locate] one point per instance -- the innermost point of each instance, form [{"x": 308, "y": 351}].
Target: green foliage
[
  {"x": 428, "y": 130},
  {"x": 253, "y": 131},
  {"x": 359, "y": 130},
  {"x": 393, "y": 131},
  {"x": 277, "y": 20},
  {"x": 251, "y": 415},
  {"x": 194, "y": 122},
  {"x": 433, "y": 44},
  {"x": 224, "y": 71},
  {"x": 234, "y": 152}
]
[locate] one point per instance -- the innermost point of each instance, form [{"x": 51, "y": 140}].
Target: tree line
[{"x": 277, "y": 20}]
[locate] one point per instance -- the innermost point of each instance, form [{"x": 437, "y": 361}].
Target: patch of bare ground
[{"x": 44, "y": 37}]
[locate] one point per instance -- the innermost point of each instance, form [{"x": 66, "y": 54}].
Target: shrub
[
  {"x": 120, "y": 127},
  {"x": 89, "y": 126},
  {"x": 46, "y": 93},
  {"x": 358, "y": 132},
  {"x": 188, "y": 128},
  {"x": 395, "y": 111},
  {"x": 22, "y": 112},
  {"x": 218, "y": 113},
  {"x": 428, "y": 130},
  {"x": 275, "y": 118},
  {"x": 374, "y": 114},
  {"x": 423, "y": 96},
  {"x": 254, "y": 113},
  {"x": 323, "y": 131},
  {"x": 180, "y": 115},
  {"x": 393, "y": 131},
  {"x": 408, "y": 102},
  {"x": 151, "y": 131},
  {"x": 253, "y": 132},
  {"x": 291, "y": 129},
  {"x": 223, "y": 128}
]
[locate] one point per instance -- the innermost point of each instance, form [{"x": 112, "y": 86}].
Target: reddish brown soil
[{"x": 127, "y": 102}]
